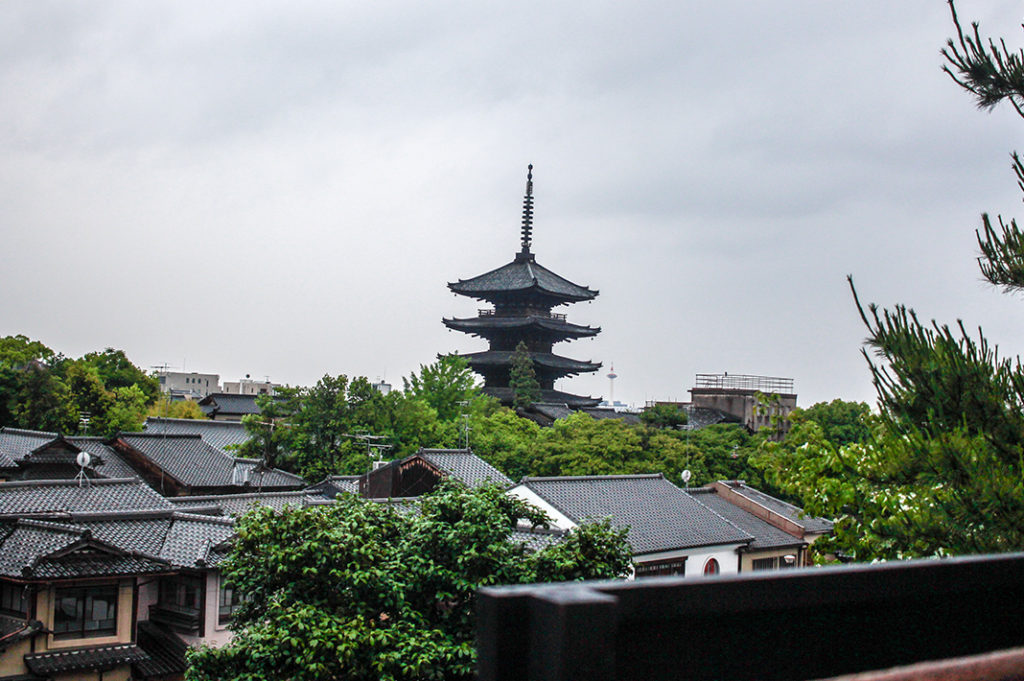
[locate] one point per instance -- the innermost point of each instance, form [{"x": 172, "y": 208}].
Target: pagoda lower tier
[
  {"x": 506, "y": 396},
  {"x": 496, "y": 365}
]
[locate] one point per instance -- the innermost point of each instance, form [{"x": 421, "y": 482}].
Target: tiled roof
[
  {"x": 558, "y": 327},
  {"x": 166, "y": 652},
  {"x": 112, "y": 463},
  {"x": 542, "y": 360},
  {"x": 26, "y": 540},
  {"x": 220, "y": 434},
  {"x": 464, "y": 465},
  {"x": 237, "y": 504},
  {"x": 226, "y": 403},
  {"x": 521, "y": 274},
  {"x": 659, "y": 515},
  {"x": 551, "y": 398},
  {"x": 16, "y": 443},
  {"x": 92, "y": 565},
  {"x": 765, "y": 536},
  {"x": 191, "y": 538},
  {"x": 47, "y": 496},
  {"x": 84, "y": 659},
  {"x": 537, "y": 539},
  {"x": 333, "y": 485},
  {"x": 193, "y": 462},
  {"x": 60, "y": 550},
  {"x": 787, "y": 510}
]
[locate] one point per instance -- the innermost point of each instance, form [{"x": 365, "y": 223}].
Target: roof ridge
[
  {"x": 122, "y": 514},
  {"x": 26, "y": 431},
  {"x": 162, "y": 436},
  {"x": 750, "y": 537},
  {"x": 68, "y": 482},
  {"x": 563, "y": 478},
  {"x": 199, "y": 517}
]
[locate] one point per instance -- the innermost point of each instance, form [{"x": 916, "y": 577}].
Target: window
[
  {"x": 181, "y": 594},
  {"x": 711, "y": 567},
  {"x": 85, "y": 611},
  {"x": 765, "y": 563},
  {"x": 230, "y": 601},
  {"x": 13, "y": 599},
  {"x": 661, "y": 568}
]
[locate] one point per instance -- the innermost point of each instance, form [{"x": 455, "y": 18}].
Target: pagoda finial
[{"x": 528, "y": 210}]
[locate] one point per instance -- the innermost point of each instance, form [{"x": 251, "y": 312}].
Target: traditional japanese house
[{"x": 523, "y": 294}]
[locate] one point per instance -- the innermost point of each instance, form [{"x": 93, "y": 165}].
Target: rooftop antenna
[
  {"x": 82, "y": 460},
  {"x": 528, "y": 211}
]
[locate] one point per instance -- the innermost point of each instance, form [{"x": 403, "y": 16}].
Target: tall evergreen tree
[{"x": 523, "y": 378}]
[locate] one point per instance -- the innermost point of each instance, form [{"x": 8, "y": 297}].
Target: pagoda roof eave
[
  {"x": 522, "y": 275},
  {"x": 476, "y": 325},
  {"x": 543, "y": 360}
]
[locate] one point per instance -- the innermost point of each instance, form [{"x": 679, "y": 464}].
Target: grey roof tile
[
  {"x": 195, "y": 463},
  {"x": 765, "y": 536},
  {"x": 191, "y": 539},
  {"x": 519, "y": 275},
  {"x": 237, "y": 504},
  {"x": 333, "y": 485},
  {"x": 166, "y": 652},
  {"x": 220, "y": 434},
  {"x": 16, "y": 443},
  {"x": 229, "y": 404},
  {"x": 48, "y": 496},
  {"x": 659, "y": 515},
  {"x": 112, "y": 463},
  {"x": 785, "y": 509},
  {"x": 84, "y": 659},
  {"x": 464, "y": 465}
]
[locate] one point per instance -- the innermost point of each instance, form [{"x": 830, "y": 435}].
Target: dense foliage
[
  {"x": 43, "y": 390},
  {"x": 360, "y": 590},
  {"x": 523, "y": 378},
  {"x": 942, "y": 469}
]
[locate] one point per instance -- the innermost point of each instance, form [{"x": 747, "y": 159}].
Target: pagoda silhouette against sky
[{"x": 523, "y": 294}]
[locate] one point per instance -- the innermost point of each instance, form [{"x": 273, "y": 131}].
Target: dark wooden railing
[{"x": 796, "y": 624}]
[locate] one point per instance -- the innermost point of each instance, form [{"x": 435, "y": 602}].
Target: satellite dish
[
  {"x": 83, "y": 459},
  {"x": 686, "y": 475}
]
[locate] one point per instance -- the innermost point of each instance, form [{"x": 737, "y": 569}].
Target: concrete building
[
  {"x": 736, "y": 394},
  {"x": 191, "y": 385}
]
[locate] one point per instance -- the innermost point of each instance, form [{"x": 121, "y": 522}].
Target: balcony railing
[
  {"x": 764, "y": 384},
  {"x": 810, "y": 623},
  {"x": 489, "y": 312}
]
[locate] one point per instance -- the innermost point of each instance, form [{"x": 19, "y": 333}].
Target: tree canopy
[
  {"x": 361, "y": 590},
  {"x": 43, "y": 390}
]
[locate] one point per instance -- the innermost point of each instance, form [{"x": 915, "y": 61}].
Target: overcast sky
[{"x": 284, "y": 189}]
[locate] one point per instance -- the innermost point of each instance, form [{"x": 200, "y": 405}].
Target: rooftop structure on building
[
  {"x": 522, "y": 294},
  {"x": 738, "y": 395},
  {"x": 248, "y": 386}
]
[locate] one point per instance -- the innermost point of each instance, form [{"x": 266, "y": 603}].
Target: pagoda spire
[{"x": 528, "y": 211}]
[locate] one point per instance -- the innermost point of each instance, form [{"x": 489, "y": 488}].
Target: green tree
[
  {"x": 523, "y": 378},
  {"x": 175, "y": 409},
  {"x": 115, "y": 370},
  {"x": 444, "y": 385},
  {"x": 32, "y": 394},
  {"x": 664, "y": 416},
  {"x": 358, "y": 590}
]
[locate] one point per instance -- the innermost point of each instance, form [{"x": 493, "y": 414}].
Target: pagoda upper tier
[
  {"x": 523, "y": 292},
  {"x": 523, "y": 282}
]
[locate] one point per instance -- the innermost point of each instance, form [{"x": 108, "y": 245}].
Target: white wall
[{"x": 558, "y": 519}]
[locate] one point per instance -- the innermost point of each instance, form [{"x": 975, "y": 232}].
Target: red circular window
[{"x": 711, "y": 567}]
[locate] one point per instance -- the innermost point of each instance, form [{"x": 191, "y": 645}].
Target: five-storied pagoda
[{"x": 523, "y": 294}]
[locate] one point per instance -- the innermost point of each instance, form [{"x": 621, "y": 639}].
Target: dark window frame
[
  {"x": 13, "y": 599},
  {"x": 173, "y": 594},
  {"x": 86, "y": 602}
]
